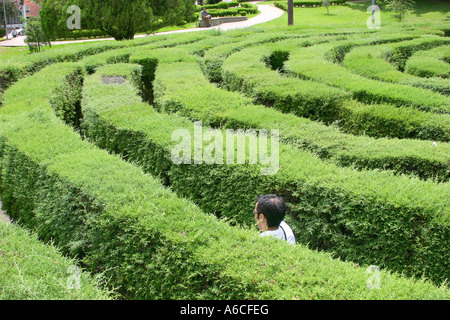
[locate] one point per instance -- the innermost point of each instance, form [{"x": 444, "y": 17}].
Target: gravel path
[{"x": 268, "y": 13}]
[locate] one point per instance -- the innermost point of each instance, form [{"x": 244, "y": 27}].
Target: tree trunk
[{"x": 290, "y": 12}]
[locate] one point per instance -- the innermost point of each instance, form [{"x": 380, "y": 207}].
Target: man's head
[{"x": 269, "y": 211}]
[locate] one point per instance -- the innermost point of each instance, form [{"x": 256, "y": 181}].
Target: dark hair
[{"x": 273, "y": 208}]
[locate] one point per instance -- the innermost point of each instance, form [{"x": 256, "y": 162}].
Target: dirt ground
[{"x": 3, "y": 216}]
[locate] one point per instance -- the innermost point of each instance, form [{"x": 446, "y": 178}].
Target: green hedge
[
  {"x": 18, "y": 67},
  {"x": 123, "y": 54},
  {"x": 83, "y": 34},
  {"x": 220, "y": 5},
  {"x": 398, "y": 54},
  {"x": 363, "y": 89},
  {"x": 307, "y": 3},
  {"x": 213, "y": 58},
  {"x": 383, "y": 120},
  {"x": 147, "y": 242},
  {"x": 231, "y": 12},
  {"x": 327, "y": 141},
  {"x": 31, "y": 270},
  {"x": 315, "y": 192},
  {"x": 368, "y": 62},
  {"x": 245, "y": 71},
  {"x": 430, "y": 63}
]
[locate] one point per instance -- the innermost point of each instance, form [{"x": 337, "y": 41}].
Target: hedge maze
[{"x": 85, "y": 160}]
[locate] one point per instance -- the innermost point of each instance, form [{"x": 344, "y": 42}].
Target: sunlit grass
[{"x": 355, "y": 15}]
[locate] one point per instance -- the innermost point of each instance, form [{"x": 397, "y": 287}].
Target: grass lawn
[
  {"x": 7, "y": 53},
  {"x": 351, "y": 16},
  {"x": 355, "y": 15}
]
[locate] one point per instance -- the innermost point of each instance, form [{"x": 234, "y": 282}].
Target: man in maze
[{"x": 269, "y": 214}]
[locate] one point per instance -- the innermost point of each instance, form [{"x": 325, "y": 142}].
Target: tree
[
  {"x": 11, "y": 8},
  {"x": 54, "y": 17},
  {"x": 400, "y": 6},
  {"x": 326, "y": 3},
  {"x": 173, "y": 12},
  {"x": 120, "y": 19},
  {"x": 36, "y": 38},
  {"x": 290, "y": 12}
]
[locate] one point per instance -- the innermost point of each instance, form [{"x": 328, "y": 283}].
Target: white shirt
[{"x": 284, "y": 232}]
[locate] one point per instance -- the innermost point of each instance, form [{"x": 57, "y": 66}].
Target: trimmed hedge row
[
  {"x": 417, "y": 157},
  {"x": 14, "y": 69},
  {"x": 150, "y": 243},
  {"x": 383, "y": 120},
  {"x": 213, "y": 58},
  {"x": 220, "y": 5},
  {"x": 123, "y": 54},
  {"x": 31, "y": 270},
  {"x": 232, "y": 12},
  {"x": 83, "y": 34},
  {"x": 399, "y": 54},
  {"x": 245, "y": 71},
  {"x": 430, "y": 63},
  {"x": 367, "y": 61},
  {"x": 363, "y": 89},
  {"x": 303, "y": 182},
  {"x": 224, "y": 9},
  {"x": 307, "y": 3}
]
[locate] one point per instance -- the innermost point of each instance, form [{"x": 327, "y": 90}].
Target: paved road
[{"x": 268, "y": 13}]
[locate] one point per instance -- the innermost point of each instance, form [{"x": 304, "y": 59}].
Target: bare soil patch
[{"x": 113, "y": 79}]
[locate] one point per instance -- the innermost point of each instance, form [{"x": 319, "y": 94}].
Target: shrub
[
  {"x": 36, "y": 39},
  {"x": 302, "y": 97},
  {"x": 23, "y": 277},
  {"x": 83, "y": 34},
  {"x": 429, "y": 63},
  {"x": 367, "y": 61},
  {"x": 147, "y": 242},
  {"x": 399, "y": 54},
  {"x": 365, "y": 90},
  {"x": 186, "y": 179},
  {"x": 245, "y": 71}
]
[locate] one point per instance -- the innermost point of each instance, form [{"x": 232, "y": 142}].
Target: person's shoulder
[
  {"x": 284, "y": 225},
  {"x": 289, "y": 233}
]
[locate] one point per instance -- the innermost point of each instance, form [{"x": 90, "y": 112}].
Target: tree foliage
[
  {"x": 54, "y": 17},
  {"x": 11, "y": 9},
  {"x": 401, "y": 7},
  {"x": 173, "y": 12},
  {"x": 119, "y": 18},
  {"x": 36, "y": 38}
]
